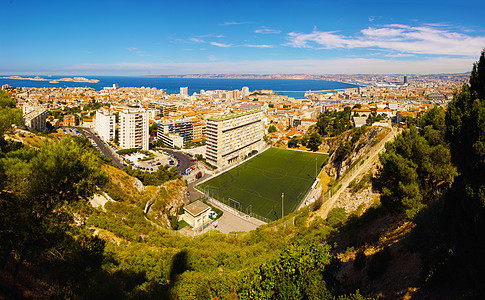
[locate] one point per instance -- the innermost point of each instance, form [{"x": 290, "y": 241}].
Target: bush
[
  {"x": 336, "y": 217},
  {"x": 317, "y": 204},
  {"x": 127, "y": 151},
  {"x": 174, "y": 222}
]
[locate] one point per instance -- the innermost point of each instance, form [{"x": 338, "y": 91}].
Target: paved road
[
  {"x": 195, "y": 194},
  {"x": 102, "y": 146},
  {"x": 184, "y": 159},
  {"x": 232, "y": 223}
]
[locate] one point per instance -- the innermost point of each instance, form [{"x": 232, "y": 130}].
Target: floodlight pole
[{"x": 282, "y": 205}]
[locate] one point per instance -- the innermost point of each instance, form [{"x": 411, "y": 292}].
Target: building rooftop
[
  {"x": 234, "y": 115},
  {"x": 196, "y": 208}
]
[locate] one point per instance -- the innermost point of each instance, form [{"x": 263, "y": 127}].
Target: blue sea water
[{"x": 172, "y": 85}]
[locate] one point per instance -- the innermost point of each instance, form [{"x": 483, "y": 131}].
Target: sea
[{"x": 295, "y": 88}]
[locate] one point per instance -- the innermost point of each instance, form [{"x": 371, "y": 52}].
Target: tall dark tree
[{"x": 465, "y": 207}]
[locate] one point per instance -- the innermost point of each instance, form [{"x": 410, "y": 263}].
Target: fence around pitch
[{"x": 212, "y": 195}]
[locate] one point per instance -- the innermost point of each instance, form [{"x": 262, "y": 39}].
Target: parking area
[
  {"x": 71, "y": 131},
  {"x": 142, "y": 161}
]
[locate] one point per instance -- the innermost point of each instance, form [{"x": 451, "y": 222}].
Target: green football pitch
[{"x": 256, "y": 185}]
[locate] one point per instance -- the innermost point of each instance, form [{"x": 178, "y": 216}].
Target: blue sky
[{"x": 248, "y": 37}]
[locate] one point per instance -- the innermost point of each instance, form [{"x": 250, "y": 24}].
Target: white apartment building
[
  {"x": 244, "y": 91},
  {"x": 104, "y": 124},
  {"x": 172, "y": 140},
  {"x": 36, "y": 119},
  {"x": 184, "y": 91},
  {"x": 233, "y": 136},
  {"x": 134, "y": 129}
]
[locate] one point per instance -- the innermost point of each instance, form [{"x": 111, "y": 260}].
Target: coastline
[{"x": 66, "y": 79}]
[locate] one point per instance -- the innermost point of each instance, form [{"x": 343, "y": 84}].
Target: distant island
[{"x": 37, "y": 78}]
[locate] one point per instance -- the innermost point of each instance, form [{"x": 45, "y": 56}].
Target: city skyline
[{"x": 194, "y": 37}]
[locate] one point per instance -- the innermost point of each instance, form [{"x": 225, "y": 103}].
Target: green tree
[
  {"x": 272, "y": 128},
  {"x": 333, "y": 123},
  {"x": 414, "y": 170},
  {"x": 297, "y": 273},
  {"x": 37, "y": 188},
  {"x": 293, "y": 143},
  {"x": 158, "y": 143},
  {"x": 304, "y": 139},
  {"x": 9, "y": 114},
  {"x": 153, "y": 129},
  {"x": 314, "y": 141},
  {"x": 464, "y": 210}
]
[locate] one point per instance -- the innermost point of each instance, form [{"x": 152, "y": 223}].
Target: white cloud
[
  {"x": 132, "y": 49},
  {"x": 371, "y": 18},
  {"x": 211, "y": 35},
  {"x": 220, "y": 44},
  {"x": 233, "y": 23},
  {"x": 399, "y": 55},
  {"x": 259, "y": 46},
  {"x": 397, "y": 37},
  {"x": 196, "y": 40},
  {"x": 212, "y": 57},
  {"x": 266, "y": 30}
]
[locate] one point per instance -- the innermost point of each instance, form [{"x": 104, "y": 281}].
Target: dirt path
[{"x": 329, "y": 204}]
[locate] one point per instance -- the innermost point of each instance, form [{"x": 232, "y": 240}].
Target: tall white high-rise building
[
  {"x": 244, "y": 91},
  {"x": 184, "y": 91},
  {"x": 134, "y": 129},
  {"x": 105, "y": 124},
  {"x": 231, "y": 137}
]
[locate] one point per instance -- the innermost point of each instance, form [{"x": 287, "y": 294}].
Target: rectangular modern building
[
  {"x": 36, "y": 119},
  {"x": 233, "y": 136},
  {"x": 167, "y": 108},
  {"x": 134, "y": 129},
  {"x": 182, "y": 127},
  {"x": 105, "y": 124},
  {"x": 172, "y": 140}
]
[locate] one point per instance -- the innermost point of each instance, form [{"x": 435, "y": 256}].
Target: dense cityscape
[{"x": 387, "y": 95}]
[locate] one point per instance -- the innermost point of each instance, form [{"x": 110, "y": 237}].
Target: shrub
[
  {"x": 127, "y": 151},
  {"x": 336, "y": 217}
]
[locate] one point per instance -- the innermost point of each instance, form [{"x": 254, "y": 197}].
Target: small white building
[
  {"x": 196, "y": 214},
  {"x": 359, "y": 121}
]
